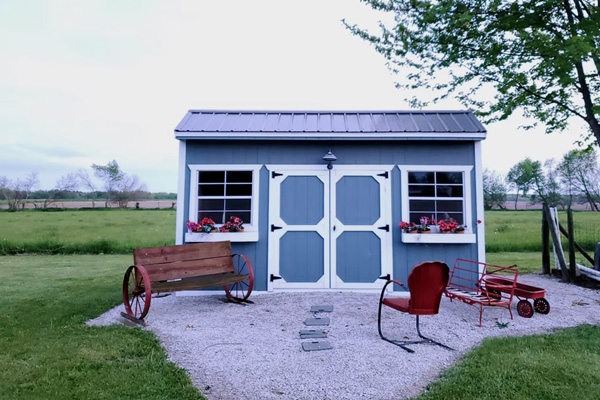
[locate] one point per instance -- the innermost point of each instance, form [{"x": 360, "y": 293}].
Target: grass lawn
[
  {"x": 85, "y": 231},
  {"x": 46, "y": 350}
]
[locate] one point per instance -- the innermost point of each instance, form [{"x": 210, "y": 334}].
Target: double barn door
[{"x": 329, "y": 228}]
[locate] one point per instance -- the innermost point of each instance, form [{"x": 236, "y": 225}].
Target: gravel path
[{"x": 254, "y": 352}]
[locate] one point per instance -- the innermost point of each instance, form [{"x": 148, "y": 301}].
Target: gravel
[{"x": 254, "y": 351}]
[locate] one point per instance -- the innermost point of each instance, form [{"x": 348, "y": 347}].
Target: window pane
[
  {"x": 449, "y": 177},
  {"x": 420, "y": 177},
  {"x": 451, "y": 205},
  {"x": 457, "y": 217},
  {"x": 211, "y": 177},
  {"x": 421, "y": 191},
  {"x": 245, "y": 216},
  {"x": 422, "y": 205},
  {"x": 238, "y": 204},
  {"x": 239, "y": 176},
  {"x": 211, "y": 190},
  {"x": 211, "y": 204},
  {"x": 215, "y": 216},
  {"x": 239, "y": 190},
  {"x": 450, "y": 191}
]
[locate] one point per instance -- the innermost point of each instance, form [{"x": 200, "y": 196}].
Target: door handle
[
  {"x": 274, "y": 228},
  {"x": 385, "y": 228},
  {"x": 384, "y": 277},
  {"x": 274, "y": 277}
]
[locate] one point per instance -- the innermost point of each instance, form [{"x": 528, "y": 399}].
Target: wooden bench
[
  {"x": 185, "y": 267},
  {"x": 482, "y": 285}
]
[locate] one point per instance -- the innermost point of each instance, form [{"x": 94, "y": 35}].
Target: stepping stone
[
  {"x": 312, "y": 334},
  {"x": 316, "y": 321},
  {"x": 314, "y": 346},
  {"x": 325, "y": 308}
]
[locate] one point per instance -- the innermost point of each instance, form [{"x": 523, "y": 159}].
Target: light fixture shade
[{"x": 329, "y": 158}]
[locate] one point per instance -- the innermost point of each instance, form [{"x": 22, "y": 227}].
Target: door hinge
[
  {"x": 274, "y": 174},
  {"x": 384, "y": 174},
  {"x": 274, "y": 277},
  {"x": 385, "y": 228},
  {"x": 384, "y": 277},
  {"x": 274, "y": 228}
]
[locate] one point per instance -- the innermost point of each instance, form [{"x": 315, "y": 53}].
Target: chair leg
[
  {"x": 396, "y": 342},
  {"x": 429, "y": 340}
]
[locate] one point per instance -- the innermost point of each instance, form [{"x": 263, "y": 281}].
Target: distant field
[
  {"x": 120, "y": 231},
  {"x": 85, "y": 231}
]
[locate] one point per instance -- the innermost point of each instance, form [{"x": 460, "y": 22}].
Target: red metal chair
[{"x": 426, "y": 283}]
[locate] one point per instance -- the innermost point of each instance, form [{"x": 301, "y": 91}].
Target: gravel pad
[{"x": 254, "y": 352}]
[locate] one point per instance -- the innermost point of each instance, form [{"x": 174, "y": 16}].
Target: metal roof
[{"x": 244, "y": 124}]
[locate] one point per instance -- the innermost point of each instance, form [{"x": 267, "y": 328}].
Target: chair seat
[{"x": 397, "y": 303}]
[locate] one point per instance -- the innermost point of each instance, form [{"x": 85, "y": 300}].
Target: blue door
[{"x": 329, "y": 229}]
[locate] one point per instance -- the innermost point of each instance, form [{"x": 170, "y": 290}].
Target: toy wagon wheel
[
  {"x": 241, "y": 290},
  {"x": 541, "y": 305},
  {"x": 137, "y": 292},
  {"x": 525, "y": 309}
]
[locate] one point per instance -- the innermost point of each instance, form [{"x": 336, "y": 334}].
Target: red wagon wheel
[
  {"x": 525, "y": 309},
  {"x": 137, "y": 292},
  {"x": 541, "y": 305},
  {"x": 241, "y": 290}
]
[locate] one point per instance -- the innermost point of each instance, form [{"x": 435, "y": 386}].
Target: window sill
[
  {"x": 246, "y": 236},
  {"x": 439, "y": 237}
]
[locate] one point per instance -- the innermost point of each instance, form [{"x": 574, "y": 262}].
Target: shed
[{"x": 312, "y": 222}]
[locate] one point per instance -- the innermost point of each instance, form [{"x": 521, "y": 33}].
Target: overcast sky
[{"x": 85, "y": 82}]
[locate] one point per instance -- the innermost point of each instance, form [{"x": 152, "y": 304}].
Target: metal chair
[{"x": 426, "y": 283}]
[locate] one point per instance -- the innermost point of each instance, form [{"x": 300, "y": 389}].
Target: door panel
[
  {"x": 360, "y": 248},
  {"x": 299, "y": 228}
]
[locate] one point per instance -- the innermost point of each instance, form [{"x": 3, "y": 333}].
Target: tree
[
  {"x": 120, "y": 187},
  {"x": 18, "y": 191},
  {"x": 579, "y": 171},
  {"x": 494, "y": 190},
  {"x": 110, "y": 174},
  {"x": 523, "y": 176},
  {"x": 547, "y": 185},
  {"x": 66, "y": 183},
  {"x": 86, "y": 181},
  {"x": 540, "y": 56}
]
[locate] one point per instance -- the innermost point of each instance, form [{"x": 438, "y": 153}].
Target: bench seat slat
[
  {"x": 203, "y": 282},
  {"x": 190, "y": 268}
]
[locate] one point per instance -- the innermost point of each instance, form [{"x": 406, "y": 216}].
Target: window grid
[
  {"x": 224, "y": 212},
  {"x": 434, "y": 214}
]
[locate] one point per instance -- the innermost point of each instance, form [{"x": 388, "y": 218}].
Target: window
[
  {"x": 219, "y": 192},
  {"x": 437, "y": 195},
  {"x": 438, "y": 192}
]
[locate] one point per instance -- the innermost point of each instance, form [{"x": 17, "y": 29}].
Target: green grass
[
  {"x": 563, "y": 365},
  {"x": 520, "y": 231},
  {"x": 85, "y": 231},
  {"x": 46, "y": 350},
  {"x": 527, "y": 262}
]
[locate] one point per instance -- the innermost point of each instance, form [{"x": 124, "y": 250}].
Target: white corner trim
[
  {"x": 480, "y": 212},
  {"x": 179, "y": 223}
]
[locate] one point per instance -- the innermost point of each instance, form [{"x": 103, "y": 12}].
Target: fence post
[
  {"x": 559, "y": 253},
  {"x": 571, "y": 239},
  {"x": 545, "y": 242}
]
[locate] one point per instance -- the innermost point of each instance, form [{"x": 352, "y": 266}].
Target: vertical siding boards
[{"x": 310, "y": 152}]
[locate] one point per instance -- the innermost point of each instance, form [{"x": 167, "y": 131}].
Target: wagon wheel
[
  {"x": 525, "y": 309},
  {"x": 541, "y": 305},
  {"x": 137, "y": 292},
  {"x": 241, "y": 290}
]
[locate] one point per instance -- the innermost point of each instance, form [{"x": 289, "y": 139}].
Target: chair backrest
[{"x": 426, "y": 282}]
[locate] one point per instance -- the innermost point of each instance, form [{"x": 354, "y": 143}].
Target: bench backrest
[{"x": 184, "y": 261}]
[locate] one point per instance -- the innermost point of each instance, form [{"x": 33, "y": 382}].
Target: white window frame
[
  {"x": 250, "y": 233},
  {"x": 469, "y": 236}
]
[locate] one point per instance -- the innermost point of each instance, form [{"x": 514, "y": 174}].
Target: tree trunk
[{"x": 517, "y": 200}]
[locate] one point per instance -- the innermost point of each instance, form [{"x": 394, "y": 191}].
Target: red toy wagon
[{"x": 540, "y": 304}]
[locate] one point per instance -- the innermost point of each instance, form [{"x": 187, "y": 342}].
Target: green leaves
[{"x": 540, "y": 56}]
